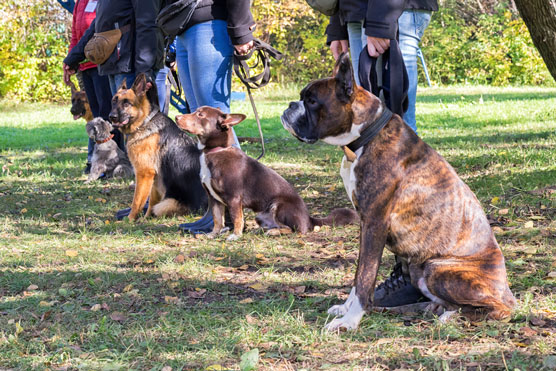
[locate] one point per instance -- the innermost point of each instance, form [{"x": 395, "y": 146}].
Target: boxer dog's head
[{"x": 333, "y": 109}]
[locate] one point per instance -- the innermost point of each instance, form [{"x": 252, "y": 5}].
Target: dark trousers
[{"x": 99, "y": 95}]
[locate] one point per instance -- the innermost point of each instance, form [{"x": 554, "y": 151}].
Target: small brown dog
[
  {"x": 409, "y": 199},
  {"x": 80, "y": 104},
  {"x": 234, "y": 180}
]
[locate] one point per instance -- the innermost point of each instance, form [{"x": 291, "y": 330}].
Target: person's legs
[
  {"x": 357, "y": 41},
  {"x": 204, "y": 56},
  {"x": 161, "y": 87},
  {"x": 89, "y": 86},
  {"x": 104, "y": 98},
  {"x": 412, "y": 25}
]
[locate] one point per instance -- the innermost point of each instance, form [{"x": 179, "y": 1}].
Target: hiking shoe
[
  {"x": 397, "y": 290},
  {"x": 87, "y": 169}
]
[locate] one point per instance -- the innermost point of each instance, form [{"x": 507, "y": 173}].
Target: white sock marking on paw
[{"x": 351, "y": 318}]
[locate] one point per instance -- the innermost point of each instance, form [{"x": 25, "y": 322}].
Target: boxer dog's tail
[{"x": 337, "y": 218}]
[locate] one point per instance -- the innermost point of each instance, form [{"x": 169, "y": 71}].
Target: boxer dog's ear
[{"x": 343, "y": 75}]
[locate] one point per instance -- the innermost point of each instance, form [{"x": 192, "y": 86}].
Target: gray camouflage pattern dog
[{"x": 107, "y": 157}]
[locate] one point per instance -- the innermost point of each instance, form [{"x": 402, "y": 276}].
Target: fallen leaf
[
  {"x": 243, "y": 267},
  {"x": 537, "y": 321},
  {"x": 551, "y": 275},
  {"x": 128, "y": 287},
  {"x": 503, "y": 211},
  {"x": 197, "y": 294},
  {"x": 495, "y": 200},
  {"x": 249, "y": 360},
  {"x": 529, "y": 224},
  {"x": 32, "y": 287},
  {"x": 105, "y": 306},
  {"x": 258, "y": 287},
  {"x": 251, "y": 320},
  {"x": 171, "y": 299},
  {"x": 299, "y": 289},
  {"x": 216, "y": 368},
  {"x": 497, "y": 230},
  {"x": 166, "y": 368},
  {"x": 527, "y": 331},
  {"x": 96, "y": 308},
  {"x": 179, "y": 259},
  {"x": 246, "y": 301},
  {"x": 259, "y": 256},
  {"x": 117, "y": 316},
  {"x": 23, "y": 211},
  {"x": 218, "y": 258},
  {"x": 71, "y": 253}
]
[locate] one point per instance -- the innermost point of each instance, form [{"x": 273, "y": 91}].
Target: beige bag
[{"x": 102, "y": 44}]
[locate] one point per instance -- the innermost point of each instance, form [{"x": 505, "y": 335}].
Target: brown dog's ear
[
  {"x": 231, "y": 120},
  {"x": 343, "y": 75}
]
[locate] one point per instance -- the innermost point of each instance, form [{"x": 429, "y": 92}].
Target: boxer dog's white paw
[
  {"x": 341, "y": 309},
  {"x": 352, "y": 313}
]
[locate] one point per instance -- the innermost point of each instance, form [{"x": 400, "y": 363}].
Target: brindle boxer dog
[{"x": 408, "y": 197}]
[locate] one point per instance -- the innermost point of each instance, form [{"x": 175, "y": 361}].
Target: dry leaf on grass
[
  {"x": 32, "y": 287},
  {"x": 71, "y": 253},
  {"x": 117, "y": 316},
  {"x": 179, "y": 259}
]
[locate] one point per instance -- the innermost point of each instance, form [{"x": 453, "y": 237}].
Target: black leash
[{"x": 262, "y": 52}]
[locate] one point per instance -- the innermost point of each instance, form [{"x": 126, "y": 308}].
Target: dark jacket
[
  {"x": 139, "y": 50},
  {"x": 381, "y": 16},
  {"x": 236, "y": 12}
]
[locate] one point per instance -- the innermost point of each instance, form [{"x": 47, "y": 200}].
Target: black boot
[{"x": 397, "y": 290}]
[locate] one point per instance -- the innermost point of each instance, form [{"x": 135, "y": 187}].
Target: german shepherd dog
[
  {"x": 80, "y": 104},
  {"x": 165, "y": 159}
]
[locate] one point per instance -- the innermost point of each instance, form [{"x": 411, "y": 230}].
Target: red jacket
[{"x": 81, "y": 21}]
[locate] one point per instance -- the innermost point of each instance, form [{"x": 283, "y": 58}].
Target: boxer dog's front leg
[{"x": 373, "y": 239}]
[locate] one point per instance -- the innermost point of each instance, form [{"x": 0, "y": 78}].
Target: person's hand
[
  {"x": 338, "y": 47},
  {"x": 244, "y": 48},
  {"x": 67, "y": 74},
  {"x": 376, "y": 45}
]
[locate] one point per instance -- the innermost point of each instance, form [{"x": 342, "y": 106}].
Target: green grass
[{"x": 114, "y": 295}]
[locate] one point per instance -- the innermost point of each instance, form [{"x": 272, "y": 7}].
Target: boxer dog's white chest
[{"x": 347, "y": 172}]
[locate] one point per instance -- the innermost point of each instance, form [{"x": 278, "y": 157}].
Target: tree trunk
[{"x": 540, "y": 18}]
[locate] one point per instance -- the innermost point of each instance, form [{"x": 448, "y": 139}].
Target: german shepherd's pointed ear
[
  {"x": 123, "y": 85},
  {"x": 343, "y": 75},
  {"x": 229, "y": 120},
  {"x": 73, "y": 88},
  {"x": 141, "y": 85}
]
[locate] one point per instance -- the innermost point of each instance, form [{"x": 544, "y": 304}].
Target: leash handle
[{"x": 263, "y": 52}]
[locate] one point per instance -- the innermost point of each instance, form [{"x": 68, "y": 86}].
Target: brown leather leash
[{"x": 263, "y": 52}]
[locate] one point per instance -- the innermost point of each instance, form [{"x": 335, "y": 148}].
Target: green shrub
[
  {"x": 33, "y": 42},
  {"x": 496, "y": 51}
]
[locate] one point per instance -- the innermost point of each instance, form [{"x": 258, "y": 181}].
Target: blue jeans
[
  {"x": 412, "y": 25},
  {"x": 161, "y": 88},
  {"x": 357, "y": 41},
  {"x": 204, "y": 55},
  {"x": 116, "y": 81}
]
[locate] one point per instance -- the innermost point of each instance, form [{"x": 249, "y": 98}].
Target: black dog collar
[{"x": 372, "y": 130}]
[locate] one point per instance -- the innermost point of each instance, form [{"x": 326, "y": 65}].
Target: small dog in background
[
  {"x": 80, "y": 104},
  {"x": 107, "y": 157}
]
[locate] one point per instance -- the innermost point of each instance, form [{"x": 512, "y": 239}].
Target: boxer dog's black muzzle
[{"x": 296, "y": 119}]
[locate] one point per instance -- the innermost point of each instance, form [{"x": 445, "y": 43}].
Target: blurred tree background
[{"x": 467, "y": 42}]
